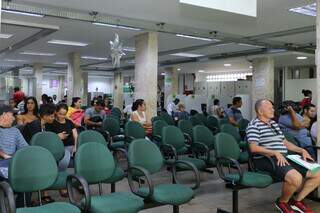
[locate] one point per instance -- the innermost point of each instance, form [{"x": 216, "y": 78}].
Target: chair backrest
[
  {"x": 195, "y": 121},
  {"x": 90, "y": 136},
  {"x": 231, "y": 130},
  {"x": 157, "y": 127},
  {"x": 167, "y": 118},
  {"x": 226, "y": 146},
  {"x": 156, "y": 118},
  {"x": 116, "y": 110},
  {"x": 243, "y": 124},
  {"x": 213, "y": 122},
  {"x": 114, "y": 116},
  {"x": 94, "y": 162},
  {"x": 291, "y": 138},
  {"x": 173, "y": 136},
  {"x": 134, "y": 129},
  {"x": 51, "y": 142},
  {"x": 203, "y": 135},
  {"x": 31, "y": 169},
  {"x": 111, "y": 125},
  {"x": 202, "y": 118},
  {"x": 224, "y": 121},
  {"x": 186, "y": 127},
  {"x": 145, "y": 154}
]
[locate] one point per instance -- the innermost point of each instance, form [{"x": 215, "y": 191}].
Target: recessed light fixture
[
  {"x": 189, "y": 55},
  {"x": 94, "y": 58},
  {"x": 250, "y": 67},
  {"x": 196, "y": 37},
  {"x": 129, "y": 49},
  {"x": 15, "y": 60},
  {"x": 309, "y": 10},
  {"x": 69, "y": 43},
  {"x": 201, "y": 71},
  {"x": 302, "y": 57},
  {"x": 116, "y": 26},
  {"x": 22, "y": 13},
  {"x": 4, "y": 35},
  {"x": 179, "y": 69},
  {"x": 60, "y": 63},
  {"x": 227, "y": 65},
  {"x": 37, "y": 53},
  {"x": 250, "y": 45}
]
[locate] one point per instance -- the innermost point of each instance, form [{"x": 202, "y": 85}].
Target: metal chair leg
[
  {"x": 113, "y": 187},
  {"x": 175, "y": 209},
  {"x": 235, "y": 203}
]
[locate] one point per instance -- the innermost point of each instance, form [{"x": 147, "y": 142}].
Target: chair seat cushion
[
  {"x": 61, "y": 181},
  {"x": 118, "y": 144},
  {"x": 117, "y": 175},
  {"x": 169, "y": 194},
  {"x": 118, "y": 202},
  {"x": 51, "y": 208},
  {"x": 212, "y": 162},
  {"x": 198, "y": 163},
  {"x": 251, "y": 179},
  {"x": 244, "y": 157}
]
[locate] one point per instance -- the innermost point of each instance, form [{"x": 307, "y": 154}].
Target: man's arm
[
  {"x": 281, "y": 160},
  {"x": 20, "y": 141},
  {"x": 297, "y": 124},
  {"x": 4, "y": 155},
  {"x": 90, "y": 123},
  {"x": 305, "y": 154}
]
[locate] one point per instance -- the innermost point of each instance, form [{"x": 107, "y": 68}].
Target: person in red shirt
[
  {"x": 18, "y": 95},
  {"x": 307, "y": 97}
]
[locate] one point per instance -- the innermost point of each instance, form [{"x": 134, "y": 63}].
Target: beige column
[
  {"x": 38, "y": 74},
  {"x": 171, "y": 83},
  {"x": 85, "y": 88},
  {"x": 16, "y": 81},
  {"x": 262, "y": 80},
  {"x": 74, "y": 77},
  {"x": 61, "y": 87},
  {"x": 118, "y": 90},
  {"x": 146, "y": 70}
]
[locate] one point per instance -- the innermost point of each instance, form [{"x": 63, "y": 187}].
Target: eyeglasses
[{"x": 274, "y": 129}]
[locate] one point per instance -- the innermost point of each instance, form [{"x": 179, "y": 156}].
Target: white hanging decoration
[{"x": 116, "y": 51}]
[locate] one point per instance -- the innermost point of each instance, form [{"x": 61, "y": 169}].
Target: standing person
[
  {"x": 30, "y": 112},
  {"x": 18, "y": 95},
  {"x": 139, "y": 113},
  {"x": 181, "y": 113},
  {"x": 216, "y": 110},
  {"x": 54, "y": 99},
  {"x": 107, "y": 107},
  {"x": 307, "y": 97},
  {"x": 75, "y": 113},
  {"x": 94, "y": 116},
  {"x": 233, "y": 113},
  {"x": 172, "y": 106}
]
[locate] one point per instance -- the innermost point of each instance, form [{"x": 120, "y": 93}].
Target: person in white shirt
[
  {"x": 216, "y": 109},
  {"x": 172, "y": 106},
  {"x": 128, "y": 109}
]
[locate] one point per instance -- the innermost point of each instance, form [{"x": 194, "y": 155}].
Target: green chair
[
  {"x": 195, "y": 121},
  {"x": 213, "y": 124},
  {"x": 227, "y": 152},
  {"x": 33, "y": 169},
  {"x": 202, "y": 118},
  {"x": 167, "y": 118},
  {"x": 186, "y": 127},
  {"x": 133, "y": 130},
  {"x": 243, "y": 124},
  {"x": 156, "y": 118},
  {"x": 112, "y": 128},
  {"x": 90, "y": 136},
  {"x": 52, "y": 142},
  {"x": 173, "y": 146},
  {"x": 224, "y": 120},
  {"x": 95, "y": 163},
  {"x": 146, "y": 159},
  {"x": 157, "y": 127},
  {"x": 116, "y": 110}
]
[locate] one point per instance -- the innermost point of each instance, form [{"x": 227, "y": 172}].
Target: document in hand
[{"x": 313, "y": 167}]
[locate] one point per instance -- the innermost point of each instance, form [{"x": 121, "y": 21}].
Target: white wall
[
  {"x": 49, "y": 88},
  {"x": 104, "y": 84},
  {"x": 293, "y": 88}
]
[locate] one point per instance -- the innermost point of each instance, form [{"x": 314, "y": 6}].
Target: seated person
[
  {"x": 216, "y": 110},
  {"x": 30, "y": 112},
  {"x": 94, "y": 116},
  {"x": 264, "y": 136},
  {"x": 233, "y": 113},
  {"x": 11, "y": 141},
  {"x": 290, "y": 121},
  {"x": 181, "y": 113},
  {"x": 309, "y": 113},
  {"x": 139, "y": 114},
  {"x": 172, "y": 106}
]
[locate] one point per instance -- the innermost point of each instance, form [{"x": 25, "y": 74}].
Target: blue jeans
[{"x": 64, "y": 162}]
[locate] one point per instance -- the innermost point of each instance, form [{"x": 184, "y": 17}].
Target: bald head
[{"x": 264, "y": 108}]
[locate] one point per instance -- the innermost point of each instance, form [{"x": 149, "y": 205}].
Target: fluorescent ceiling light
[
  {"x": 15, "y": 60},
  {"x": 227, "y": 65},
  {"x": 250, "y": 67},
  {"x": 201, "y": 71},
  {"x": 69, "y": 43},
  {"x": 129, "y": 49},
  {"x": 61, "y": 63},
  {"x": 250, "y": 45},
  {"x": 188, "y": 55},
  {"x": 116, "y": 26},
  {"x": 94, "y": 58},
  {"x": 3, "y": 35},
  {"x": 179, "y": 69},
  {"x": 309, "y": 10},
  {"x": 37, "y": 53},
  {"x": 196, "y": 37},
  {"x": 302, "y": 57},
  {"x": 163, "y": 73},
  {"x": 22, "y": 13}
]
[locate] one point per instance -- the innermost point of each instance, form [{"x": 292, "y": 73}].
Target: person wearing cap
[{"x": 94, "y": 116}]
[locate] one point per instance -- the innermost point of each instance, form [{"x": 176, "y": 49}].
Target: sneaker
[
  {"x": 300, "y": 207},
  {"x": 284, "y": 207}
]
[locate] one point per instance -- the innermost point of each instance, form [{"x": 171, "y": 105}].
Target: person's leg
[
  {"x": 311, "y": 183},
  {"x": 64, "y": 162},
  {"x": 292, "y": 181}
]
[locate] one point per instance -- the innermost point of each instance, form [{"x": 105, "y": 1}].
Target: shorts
[{"x": 280, "y": 172}]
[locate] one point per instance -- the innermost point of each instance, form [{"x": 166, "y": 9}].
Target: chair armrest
[
  {"x": 193, "y": 168},
  {"x": 118, "y": 137},
  {"x": 256, "y": 156},
  {"x": 142, "y": 172},
  {"x": 7, "y": 198},
  {"x": 198, "y": 148},
  {"x": 222, "y": 161},
  {"x": 109, "y": 137},
  {"x": 169, "y": 152},
  {"x": 86, "y": 205},
  {"x": 188, "y": 138}
]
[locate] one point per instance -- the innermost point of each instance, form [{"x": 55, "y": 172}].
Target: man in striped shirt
[{"x": 264, "y": 136}]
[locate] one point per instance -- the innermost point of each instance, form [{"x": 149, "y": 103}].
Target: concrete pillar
[
  {"x": 61, "y": 87},
  {"x": 74, "y": 77},
  {"x": 171, "y": 83},
  {"x": 85, "y": 88},
  {"x": 118, "y": 90},
  {"x": 146, "y": 70},
  {"x": 38, "y": 74},
  {"x": 262, "y": 80},
  {"x": 15, "y": 78}
]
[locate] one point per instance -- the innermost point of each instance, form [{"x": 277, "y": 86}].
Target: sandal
[
  {"x": 47, "y": 199},
  {"x": 63, "y": 193}
]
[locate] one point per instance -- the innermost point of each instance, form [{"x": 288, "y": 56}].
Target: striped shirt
[
  {"x": 11, "y": 140},
  {"x": 267, "y": 135}
]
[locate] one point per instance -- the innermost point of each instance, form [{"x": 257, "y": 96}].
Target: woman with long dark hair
[
  {"x": 75, "y": 113},
  {"x": 139, "y": 114},
  {"x": 30, "y": 111}
]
